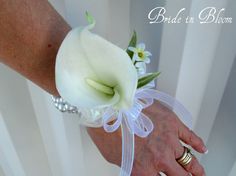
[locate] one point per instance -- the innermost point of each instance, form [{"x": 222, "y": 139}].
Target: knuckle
[
  {"x": 196, "y": 168},
  {"x": 191, "y": 137},
  {"x": 192, "y": 165},
  {"x": 171, "y": 140},
  {"x": 162, "y": 162},
  {"x": 171, "y": 123},
  {"x": 169, "y": 136}
]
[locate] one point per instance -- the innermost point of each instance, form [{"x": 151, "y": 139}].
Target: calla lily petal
[{"x": 94, "y": 73}]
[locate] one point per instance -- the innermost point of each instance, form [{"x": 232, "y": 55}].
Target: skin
[{"x": 31, "y": 32}]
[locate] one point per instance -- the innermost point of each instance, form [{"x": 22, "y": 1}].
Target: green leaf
[
  {"x": 132, "y": 43},
  {"x": 147, "y": 79},
  {"x": 90, "y": 19}
]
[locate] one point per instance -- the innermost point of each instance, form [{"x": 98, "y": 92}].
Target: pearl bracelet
[{"x": 63, "y": 106}]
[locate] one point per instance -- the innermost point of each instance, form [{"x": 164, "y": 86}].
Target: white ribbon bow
[{"x": 133, "y": 121}]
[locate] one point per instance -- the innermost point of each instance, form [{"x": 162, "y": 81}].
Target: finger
[
  {"x": 173, "y": 141},
  {"x": 174, "y": 169},
  {"x": 195, "y": 168},
  {"x": 169, "y": 165},
  {"x": 190, "y": 138}
]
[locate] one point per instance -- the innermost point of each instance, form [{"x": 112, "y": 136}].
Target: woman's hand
[{"x": 159, "y": 151}]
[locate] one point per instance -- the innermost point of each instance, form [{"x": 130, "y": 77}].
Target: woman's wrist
[{"x": 109, "y": 144}]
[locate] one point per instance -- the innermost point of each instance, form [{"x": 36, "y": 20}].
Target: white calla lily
[{"x": 94, "y": 73}]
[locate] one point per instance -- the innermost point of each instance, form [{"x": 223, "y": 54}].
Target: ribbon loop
[
  {"x": 108, "y": 117},
  {"x": 143, "y": 126},
  {"x": 134, "y": 122}
]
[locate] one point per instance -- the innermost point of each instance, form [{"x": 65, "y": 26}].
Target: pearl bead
[{"x": 63, "y": 106}]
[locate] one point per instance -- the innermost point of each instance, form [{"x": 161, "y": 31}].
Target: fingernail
[
  {"x": 206, "y": 152},
  {"x": 204, "y": 148}
]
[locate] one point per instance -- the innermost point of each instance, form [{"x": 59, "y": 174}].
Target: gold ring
[{"x": 186, "y": 158}]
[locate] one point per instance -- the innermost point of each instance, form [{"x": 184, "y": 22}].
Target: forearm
[{"x": 31, "y": 32}]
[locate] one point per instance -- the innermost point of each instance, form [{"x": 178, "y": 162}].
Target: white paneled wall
[
  {"x": 10, "y": 161},
  {"x": 198, "y": 56},
  {"x": 224, "y": 57},
  {"x": 172, "y": 47},
  {"x": 233, "y": 170},
  {"x": 1, "y": 172},
  {"x": 222, "y": 141},
  {"x": 21, "y": 125}
]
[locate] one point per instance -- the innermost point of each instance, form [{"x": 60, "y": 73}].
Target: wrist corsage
[{"x": 109, "y": 86}]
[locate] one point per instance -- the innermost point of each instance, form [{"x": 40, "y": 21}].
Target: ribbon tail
[
  {"x": 174, "y": 105},
  {"x": 127, "y": 148}
]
